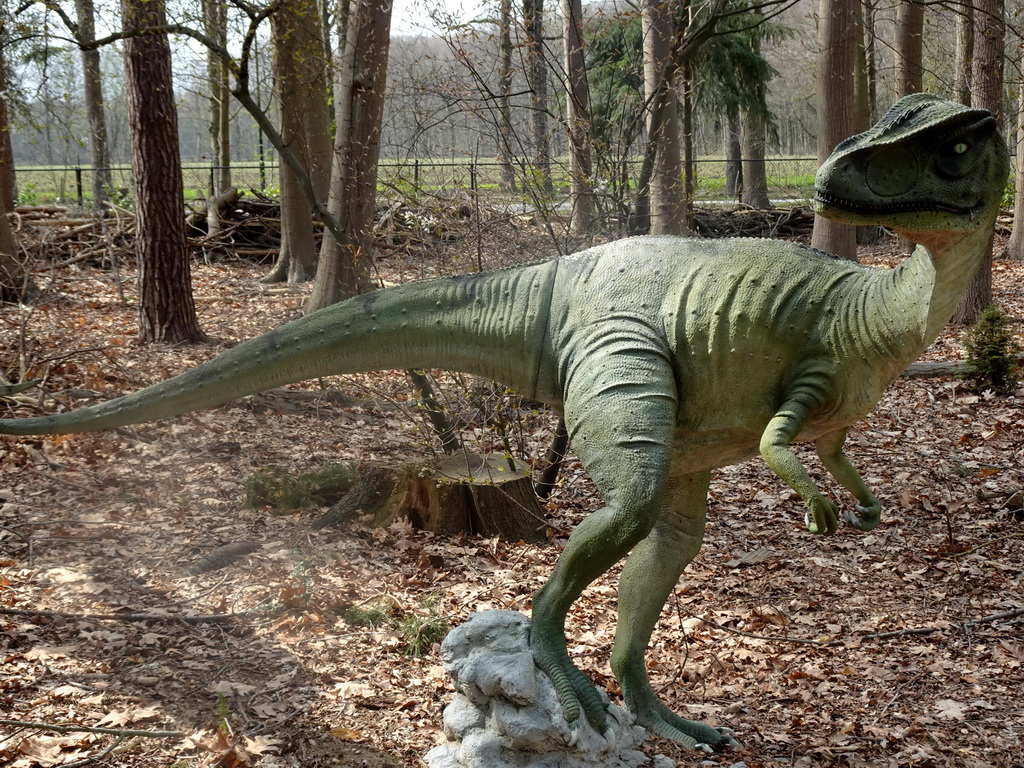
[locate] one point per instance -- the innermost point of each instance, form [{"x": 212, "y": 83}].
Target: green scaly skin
[{"x": 669, "y": 357}]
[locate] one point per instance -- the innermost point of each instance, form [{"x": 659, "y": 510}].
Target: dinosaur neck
[
  {"x": 903, "y": 310},
  {"x": 956, "y": 259}
]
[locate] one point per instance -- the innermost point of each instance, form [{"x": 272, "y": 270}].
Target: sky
[{"x": 411, "y": 17}]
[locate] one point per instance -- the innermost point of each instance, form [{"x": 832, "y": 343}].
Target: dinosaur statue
[{"x": 669, "y": 357}]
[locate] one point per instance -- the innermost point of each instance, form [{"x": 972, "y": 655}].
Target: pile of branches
[
  {"x": 240, "y": 224},
  {"x": 793, "y": 222}
]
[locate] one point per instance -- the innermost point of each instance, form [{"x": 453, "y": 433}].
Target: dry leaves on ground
[{"x": 901, "y": 647}]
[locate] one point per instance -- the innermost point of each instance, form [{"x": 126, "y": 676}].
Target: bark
[
  {"x": 7, "y": 195},
  {"x": 577, "y": 116},
  {"x": 755, "y": 175},
  {"x": 537, "y": 74},
  {"x": 14, "y": 281},
  {"x": 99, "y": 154},
  {"x": 964, "y": 53},
  {"x": 870, "y": 64},
  {"x": 909, "y": 47},
  {"x": 359, "y": 109},
  {"x": 301, "y": 99},
  {"x": 987, "y": 93},
  {"x": 733, "y": 153},
  {"x": 666, "y": 191},
  {"x": 505, "y": 72},
  {"x": 1015, "y": 245},
  {"x": 483, "y": 495},
  {"x": 166, "y": 309},
  {"x": 837, "y": 46}
]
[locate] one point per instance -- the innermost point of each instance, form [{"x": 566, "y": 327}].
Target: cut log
[{"x": 486, "y": 495}]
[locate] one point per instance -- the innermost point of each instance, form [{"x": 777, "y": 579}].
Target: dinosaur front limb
[
  {"x": 650, "y": 574},
  {"x": 822, "y": 515},
  {"x": 869, "y": 511}
]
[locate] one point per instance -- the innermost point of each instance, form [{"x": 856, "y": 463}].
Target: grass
[{"x": 788, "y": 178}]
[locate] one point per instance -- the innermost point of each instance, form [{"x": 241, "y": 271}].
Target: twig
[
  {"x": 992, "y": 617},
  {"x": 122, "y": 732},
  {"x": 100, "y": 756},
  {"x": 1011, "y": 614},
  {"x": 201, "y": 619}
]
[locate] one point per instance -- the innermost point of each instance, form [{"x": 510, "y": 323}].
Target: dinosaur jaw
[{"x": 903, "y": 216}]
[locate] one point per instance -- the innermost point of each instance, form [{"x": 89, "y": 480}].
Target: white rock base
[{"x": 506, "y": 713}]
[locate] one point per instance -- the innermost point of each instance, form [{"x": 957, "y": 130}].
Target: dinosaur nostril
[{"x": 892, "y": 171}]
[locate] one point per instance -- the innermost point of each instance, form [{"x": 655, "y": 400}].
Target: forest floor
[{"x": 899, "y": 647}]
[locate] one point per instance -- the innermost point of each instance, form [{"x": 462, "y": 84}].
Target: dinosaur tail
[{"x": 492, "y": 324}]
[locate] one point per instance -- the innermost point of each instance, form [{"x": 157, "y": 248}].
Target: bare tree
[
  {"x": 537, "y": 75},
  {"x": 505, "y": 153},
  {"x": 667, "y": 197},
  {"x": 166, "y": 308},
  {"x": 909, "y": 47},
  {"x": 302, "y": 106},
  {"x": 361, "y": 78},
  {"x": 1015, "y": 245},
  {"x": 99, "y": 150},
  {"x": 837, "y": 49},
  {"x": 964, "y": 56},
  {"x": 987, "y": 93},
  {"x": 577, "y": 118},
  {"x": 216, "y": 25},
  {"x": 15, "y": 283},
  {"x": 6, "y": 155}
]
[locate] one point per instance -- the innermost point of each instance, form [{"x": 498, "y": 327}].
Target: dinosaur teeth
[{"x": 908, "y": 207}]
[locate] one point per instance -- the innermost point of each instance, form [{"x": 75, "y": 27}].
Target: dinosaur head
[{"x": 928, "y": 165}]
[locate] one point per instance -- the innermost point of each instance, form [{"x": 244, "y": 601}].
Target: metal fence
[{"x": 790, "y": 180}]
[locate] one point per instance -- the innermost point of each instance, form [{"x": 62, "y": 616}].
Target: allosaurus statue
[{"x": 669, "y": 357}]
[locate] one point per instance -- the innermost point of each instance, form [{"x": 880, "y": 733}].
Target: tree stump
[{"x": 487, "y": 495}]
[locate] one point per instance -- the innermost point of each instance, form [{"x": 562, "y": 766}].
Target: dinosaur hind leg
[
  {"x": 650, "y": 574},
  {"x": 622, "y": 429}
]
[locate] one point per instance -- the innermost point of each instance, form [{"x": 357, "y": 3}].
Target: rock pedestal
[{"x": 506, "y": 713}]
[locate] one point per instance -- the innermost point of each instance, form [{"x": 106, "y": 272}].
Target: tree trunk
[
  {"x": 868, "y": 43},
  {"x": 577, "y": 117},
  {"x": 486, "y": 495},
  {"x": 505, "y": 72},
  {"x": 7, "y": 195},
  {"x": 298, "y": 50},
  {"x": 733, "y": 153},
  {"x": 359, "y": 104},
  {"x": 537, "y": 74},
  {"x": 666, "y": 191},
  {"x": 987, "y": 93},
  {"x": 14, "y": 281},
  {"x": 837, "y": 48},
  {"x": 99, "y": 153},
  {"x": 755, "y": 175},
  {"x": 964, "y": 53},
  {"x": 909, "y": 47},
  {"x": 1015, "y": 245},
  {"x": 166, "y": 309}
]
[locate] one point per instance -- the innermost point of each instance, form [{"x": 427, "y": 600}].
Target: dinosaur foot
[
  {"x": 690, "y": 733},
  {"x": 864, "y": 518}
]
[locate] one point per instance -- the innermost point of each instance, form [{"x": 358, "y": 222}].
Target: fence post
[
  {"x": 78, "y": 187},
  {"x": 472, "y": 177},
  {"x": 416, "y": 173}
]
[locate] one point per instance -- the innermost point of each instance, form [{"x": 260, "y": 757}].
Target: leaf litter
[{"x": 901, "y": 647}]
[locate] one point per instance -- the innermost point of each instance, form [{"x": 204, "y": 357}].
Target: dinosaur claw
[
  {"x": 610, "y": 739},
  {"x": 728, "y": 737},
  {"x": 574, "y": 732}
]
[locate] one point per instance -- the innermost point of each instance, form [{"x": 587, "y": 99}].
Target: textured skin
[{"x": 669, "y": 357}]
